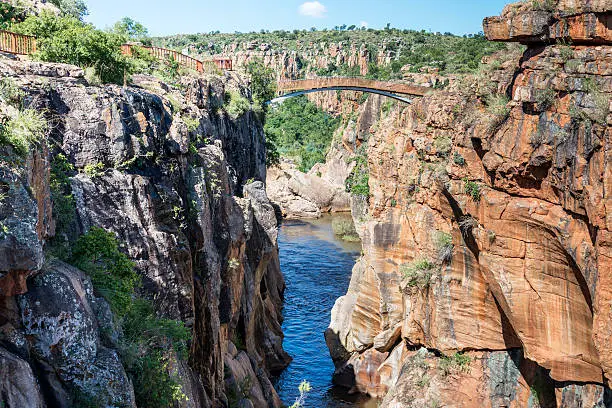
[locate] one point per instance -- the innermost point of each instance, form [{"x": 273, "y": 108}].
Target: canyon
[{"x": 484, "y": 274}]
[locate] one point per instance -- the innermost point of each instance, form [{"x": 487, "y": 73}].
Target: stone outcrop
[
  {"x": 308, "y": 195},
  {"x": 165, "y": 170},
  {"x": 487, "y": 232}
]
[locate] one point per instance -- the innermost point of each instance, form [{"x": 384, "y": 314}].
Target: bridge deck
[{"x": 336, "y": 82}]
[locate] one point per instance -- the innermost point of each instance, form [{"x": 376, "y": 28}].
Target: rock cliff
[
  {"x": 180, "y": 184},
  {"x": 486, "y": 238}
]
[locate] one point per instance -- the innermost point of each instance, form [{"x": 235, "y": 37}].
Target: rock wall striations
[
  {"x": 487, "y": 236},
  {"x": 180, "y": 183}
]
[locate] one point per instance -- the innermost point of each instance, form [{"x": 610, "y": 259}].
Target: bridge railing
[
  {"x": 17, "y": 43},
  {"x": 182, "y": 59},
  {"x": 354, "y": 82}
]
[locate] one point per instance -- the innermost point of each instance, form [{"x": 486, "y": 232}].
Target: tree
[
  {"x": 74, "y": 8},
  {"x": 263, "y": 82},
  {"x": 69, "y": 40},
  {"x": 132, "y": 30}
]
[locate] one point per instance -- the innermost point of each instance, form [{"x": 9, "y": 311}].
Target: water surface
[{"x": 317, "y": 268}]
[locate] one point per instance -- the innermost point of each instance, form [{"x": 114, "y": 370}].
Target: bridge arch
[{"x": 395, "y": 90}]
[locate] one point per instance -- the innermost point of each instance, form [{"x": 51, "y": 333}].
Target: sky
[{"x": 166, "y": 17}]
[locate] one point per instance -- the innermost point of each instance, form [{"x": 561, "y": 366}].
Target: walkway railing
[
  {"x": 350, "y": 82},
  {"x": 17, "y": 43},
  {"x": 182, "y": 59}
]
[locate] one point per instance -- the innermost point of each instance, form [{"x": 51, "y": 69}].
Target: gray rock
[{"x": 18, "y": 386}]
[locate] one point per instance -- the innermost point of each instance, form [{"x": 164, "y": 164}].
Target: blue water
[{"x": 317, "y": 269}]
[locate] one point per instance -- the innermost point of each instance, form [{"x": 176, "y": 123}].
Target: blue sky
[{"x": 164, "y": 17}]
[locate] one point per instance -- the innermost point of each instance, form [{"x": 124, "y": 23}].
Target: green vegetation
[
  {"x": 68, "y": 39},
  {"x": 10, "y": 93},
  {"x": 458, "y": 159},
  {"x": 236, "y": 105},
  {"x": 112, "y": 273},
  {"x": 64, "y": 208},
  {"x": 344, "y": 227},
  {"x": 472, "y": 189},
  {"x": 298, "y": 128},
  {"x": 263, "y": 83},
  {"x": 147, "y": 340},
  {"x": 497, "y": 105},
  {"x": 418, "y": 49},
  {"x": 27, "y": 128},
  {"x": 444, "y": 244},
  {"x": 545, "y": 98},
  {"x": 456, "y": 363},
  {"x": 304, "y": 389},
  {"x": 358, "y": 182},
  {"x": 418, "y": 273},
  {"x": 443, "y": 145},
  {"x": 94, "y": 170}
]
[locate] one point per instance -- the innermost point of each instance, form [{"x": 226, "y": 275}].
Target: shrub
[
  {"x": 112, "y": 273},
  {"x": 192, "y": 123},
  {"x": 358, "y": 182},
  {"x": 236, "y": 105},
  {"x": 168, "y": 71},
  {"x": 545, "y": 98},
  {"x": 444, "y": 244},
  {"x": 418, "y": 273},
  {"x": 74, "y": 8},
  {"x": 64, "y": 209},
  {"x": 458, "y": 159},
  {"x": 472, "y": 189},
  {"x": 69, "y": 40},
  {"x": 146, "y": 338},
  {"x": 27, "y": 128},
  {"x": 497, "y": 105},
  {"x": 543, "y": 5},
  {"x": 443, "y": 145},
  {"x": 94, "y": 170},
  {"x": 456, "y": 363},
  {"x": 345, "y": 229},
  {"x": 10, "y": 93},
  {"x": 304, "y": 389}
]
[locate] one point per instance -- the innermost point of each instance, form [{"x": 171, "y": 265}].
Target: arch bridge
[{"x": 396, "y": 90}]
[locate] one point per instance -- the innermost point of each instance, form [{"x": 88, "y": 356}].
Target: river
[{"x": 317, "y": 268}]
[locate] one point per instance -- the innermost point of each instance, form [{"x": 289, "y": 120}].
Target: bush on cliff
[
  {"x": 23, "y": 130},
  {"x": 263, "y": 83},
  {"x": 358, "y": 182},
  {"x": 148, "y": 343}
]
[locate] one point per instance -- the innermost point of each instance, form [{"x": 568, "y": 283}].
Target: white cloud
[
  {"x": 363, "y": 24},
  {"x": 313, "y": 9}
]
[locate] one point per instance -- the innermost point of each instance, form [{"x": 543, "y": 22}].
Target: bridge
[{"x": 395, "y": 90}]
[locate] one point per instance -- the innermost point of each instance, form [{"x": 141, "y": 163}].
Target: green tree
[
  {"x": 74, "y": 8},
  {"x": 132, "y": 30},
  {"x": 298, "y": 128},
  {"x": 69, "y": 40},
  {"x": 263, "y": 82}
]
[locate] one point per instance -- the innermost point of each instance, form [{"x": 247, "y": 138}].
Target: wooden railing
[
  {"x": 182, "y": 59},
  {"x": 17, "y": 43}
]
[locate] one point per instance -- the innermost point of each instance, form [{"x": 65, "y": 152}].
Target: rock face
[
  {"x": 165, "y": 170},
  {"x": 487, "y": 232},
  {"x": 308, "y": 195}
]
